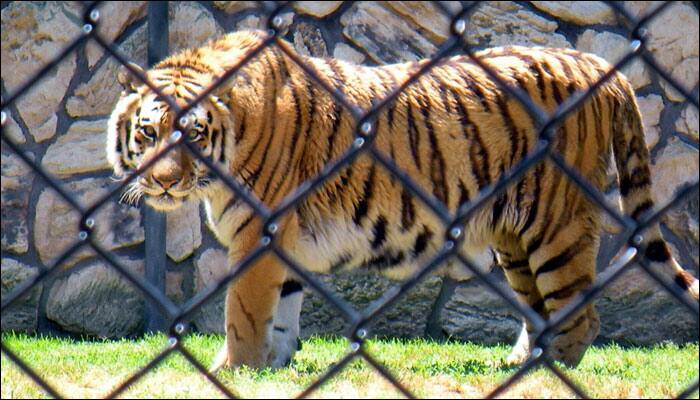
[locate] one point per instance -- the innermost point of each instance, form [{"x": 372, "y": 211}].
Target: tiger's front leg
[{"x": 251, "y": 304}]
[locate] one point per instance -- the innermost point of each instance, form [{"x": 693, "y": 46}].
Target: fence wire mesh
[{"x": 632, "y": 252}]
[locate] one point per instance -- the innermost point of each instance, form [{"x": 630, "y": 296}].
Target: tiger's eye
[
  {"x": 149, "y": 132},
  {"x": 195, "y": 135}
]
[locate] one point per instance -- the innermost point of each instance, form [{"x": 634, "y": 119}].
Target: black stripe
[
  {"x": 638, "y": 178},
  {"x": 340, "y": 263},
  {"x": 363, "y": 206},
  {"x": 290, "y": 287},
  {"x": 421, "y": 242},
  {"x": 338, "y": 110},
  {"x": 573, "y": 325},
  {"x": 647, "y": 204},
  {"x": 538, "y": 307},
  {"x": 463, "y": 194},
  {"x": 385, "y": 260},
  {"x": 683, "y": 282},
  {"x": 657, "y": 251},
  {"x": 569, "y": 290},
  {"x": 244, "y": 224},
  {"x": 413, "y": 134},
  {"x": 534, "y": 207},
  {"x": 516, "y": 264},
  {"x": 437, "y": 160},
  {"x": 535, "y": 244},
  {"x": 379, "y": 230},
  {"x": 562, "y": 258},
  {"x": 408, "y": 210}
]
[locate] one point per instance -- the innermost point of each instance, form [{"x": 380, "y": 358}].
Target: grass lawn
[{"x": 86, "y": 369}]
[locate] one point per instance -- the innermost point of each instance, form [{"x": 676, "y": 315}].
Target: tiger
[{"x": 454, "y": 131}]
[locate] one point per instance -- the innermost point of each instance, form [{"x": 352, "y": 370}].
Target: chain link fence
[{"x": 179, "y": 316}]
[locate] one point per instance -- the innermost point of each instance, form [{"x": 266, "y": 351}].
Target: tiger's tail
[{"x": 634, "y": 176}]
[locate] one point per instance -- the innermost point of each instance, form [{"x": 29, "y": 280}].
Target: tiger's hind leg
[
  {"x": 563, "y": 267},
  {"x": 521, "y": 280},
  {"x": 285, "y": 326}
]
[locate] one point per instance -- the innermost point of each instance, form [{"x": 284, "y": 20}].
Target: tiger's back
[{"x": 454, "y": 131}]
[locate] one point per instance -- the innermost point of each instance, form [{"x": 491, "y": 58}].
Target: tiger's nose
[{"x": 166, "y": 182}]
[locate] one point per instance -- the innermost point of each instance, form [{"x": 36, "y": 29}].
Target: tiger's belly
[{"x": 336, "y": 245}]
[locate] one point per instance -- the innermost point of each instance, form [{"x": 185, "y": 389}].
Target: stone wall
[{"x": 61, "y": 122}]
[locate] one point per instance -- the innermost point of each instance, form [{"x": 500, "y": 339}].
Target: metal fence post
[{"x": 154, "y": 221}]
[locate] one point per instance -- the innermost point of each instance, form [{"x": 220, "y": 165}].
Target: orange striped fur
[{"x": 454, "y": 131}]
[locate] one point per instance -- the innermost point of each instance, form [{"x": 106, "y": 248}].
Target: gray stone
[
  {"x": 670, "y": 170},
  {"x": 633, "y": 303},
  {"x": 115, "y": 17},
  {"x": 578, "y": 12},
  {"x": 13, "y": 131},
  {"x": 344, "y": 52},
  {"x": 174, "y": 286},
  {"x": 407, "y": 318},
  {"x": 191, "y": 25},
  {"x": 476, "y": 313},
  {"x": 98, "y": 301},
  {"x": 233, "y": 7},
  {"x": 250, "y": 22},
  {"x": 612, "y": 47},
  {"x": 673, "y": 41},
  {"x": 384, "y": 35},
  {"x": 651, "y": 107},
  {"x": 23, "y": 314},
  {"x": 84, "y": 138},
  {"x": 16, "y": 183},
  {"x": 183, "y": 231},
  {"x": 56, "y": 223},
  {"x": 211, "y": 266},
  {"x": 502, "y": 23},
  {"x": 687, "y": 122},
  {"x": 685, "y": 74},
  {"x": 34, "y": 34},
  {"x": 99, "y": 95},
  {"x": 427, "y": 16},
  {"x": 318, "y": 9},
  {"x": 308, "y": 41}
]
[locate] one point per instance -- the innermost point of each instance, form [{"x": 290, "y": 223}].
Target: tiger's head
[{"x": 142, "y": 126}]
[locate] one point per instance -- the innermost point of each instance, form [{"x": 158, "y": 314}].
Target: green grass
[{"x": 444, "y": 370}]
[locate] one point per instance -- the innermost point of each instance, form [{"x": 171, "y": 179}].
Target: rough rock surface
[
  {"x": 344, "y": 52},
  {"x": 183, "y": 232},
  {"x": 406, "y": 318},
  {"x": 17, "y": 180},
  {"x": 651, "y": 107},
  {"x": 13, "y": 131},
  {"x": 99, "y": 95},
  {"x": 114, "y": 18},
  {"x": 687, "y": 122},
  {"x": 613, "y": 47},
  {"x": 318, "y": 9},
  {"x": 191, "y": 25},
  {"x": 211, "y": 266},
  {"x": 502, "y": 23},
  {"x": 97, "y": 301},
  {"x": 673, "y": 41},
  {"x": 56, "y": 223},
  {"x": 477, "y": 314},
  {"x": 33, "y": 35},
  {"x": 23, "y": 314},
  {"x": 86, "y": 138},
  {"x": 383, "y": 34},
  {"x": 578, "y": 12}
]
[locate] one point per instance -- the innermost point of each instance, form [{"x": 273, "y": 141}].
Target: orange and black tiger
[{"x": 454, "y": 130}]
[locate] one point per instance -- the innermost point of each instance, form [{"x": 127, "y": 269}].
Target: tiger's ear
[{"x": 127, "y": 78}]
